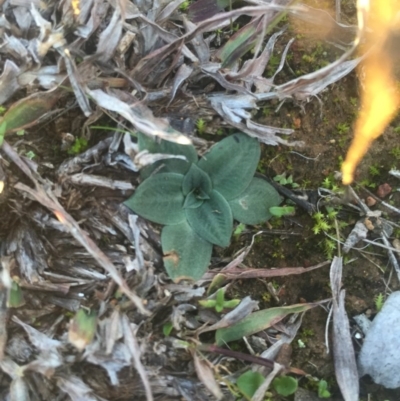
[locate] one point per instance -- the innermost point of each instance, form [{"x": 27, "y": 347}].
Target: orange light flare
[
  {"x": 60, "y": 216},
  {"x": 379, "y": 99},
  {"x": 76, "y": 7}
]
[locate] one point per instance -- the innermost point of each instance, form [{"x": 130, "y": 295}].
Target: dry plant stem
[
  {"x": 237, "y": 355},
  {"x": 392, "y": 257},
  {"x": 238, "y": 273},
  {"x": 47, "y": 199},
  {"x": 380, "y": 201},
  {"x": 3, "y": 319}
]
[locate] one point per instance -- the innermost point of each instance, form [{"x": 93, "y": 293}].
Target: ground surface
[{"x": 324, "y": 124}]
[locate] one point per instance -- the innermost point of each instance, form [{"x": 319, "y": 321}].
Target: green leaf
[
  {"x": 186, "y": 255},
  {"x": 82, "y": 329},
  {"x": 196, "y": 178},
  {"x": 233, "y": 303},
  {"x": 213, "y": 220},
  {"x": 28, "y": 111},
  {"x": 323, "y": 391},
  {"x": 278, "y": 211},
  {"x": 3, "y": 130},
  {"x": 257, "y": 322},
  {"x": 220, "y": 300},
  {"x": 285, "y": 385},
  {"x": 239, "y": 44},
  {"x": 231, "y": 164},
  {"x": 15, "y": 296},
  {"x": 253, "y": 205},
  {"x": 217, "y": 282},
  {"x": 249, "y": 382},
  {"x": 240, "y": 227},
  {"x": 166, "y": 147},
  {"x": 159, "y": 199},
  {"x": 167, "y": 328}
]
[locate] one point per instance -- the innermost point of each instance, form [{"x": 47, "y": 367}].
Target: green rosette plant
[{"x": 197, "y": 200}]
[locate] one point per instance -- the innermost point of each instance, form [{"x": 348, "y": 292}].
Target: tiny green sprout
[
  {"x": 219, "y": 303},
  {"x": 353, "y": 101},
  {"x": 329, "y": 246},
  {"x": 308, "y": 59},
  {"x": 285, "y": 385},
  {"x": 379, "y": 301},
  {"x": 374, "y": 170},
  {"x": 300, "y": 343},
  {"x": 395, "y": 151},
  {"x": 323, "y": 389},
  {"x": 327, "y": 183},
  {"x": 332, "y": 213},
  {"x": 2, "y": 110},
  {"x": 82, "y": 329},
  {"x": 280, "y": 211},
  {"x": 15, "y": 295},
  {"x": 321, "y": 223},
  {"x": 201, "y": 126},
  {"x": 343, "y": 128},
  {"x": 30, "y": 155},
  {"x": 283, "y": 180},
  {"x": 79, "y": 145},
  {"x": 3, "y": 128},
  {"x": 249, "y": 382},
  {"x": 20, "y": 132},
  {"x": 167, "y": 328},
  {"x": 184, "y": 6},
  {"x": 239, "y": 229}
]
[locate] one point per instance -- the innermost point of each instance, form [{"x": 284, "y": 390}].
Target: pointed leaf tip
[
  {"x": 253, "y": 205},
  {"x": 213, "y": 220},
  {"x": 231, "y": 164}
]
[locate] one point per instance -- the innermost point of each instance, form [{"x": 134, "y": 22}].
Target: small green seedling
[
  {"x": 197, "y": 200},
  {"x": 201, "y": 126},
  {"x": 395, "y": 151},
  {"x": 374, "y": 170},
  {"x": 283, "y": 180},
  {"x": 15, "y": 296},
  {"x": 82, "y": 329},
  {"x": 321, "y": 223},
  {"x": 280, "y": 211},
  {"x": 249, "y": 382},
  {"x": 30, "y": 155},
  {"x": 79, "y": 146},
  {"x": 239, "y": 229},
  {"x": 167, "y": 328},
  {"x": 3, "y": 129},
  {"x": 184, "y": 6},
  {"x": 379, "y": 301},
  {"x": 323, "y": 389},
  {"x": 219, "y": 302},
  {"x": 343, "y": 128},
  {"x": 285, "y": 385}
]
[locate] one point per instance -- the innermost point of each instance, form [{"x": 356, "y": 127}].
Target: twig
[
  {"x": 237, "y": 355},
  {"x": 392, "y": 257}
]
